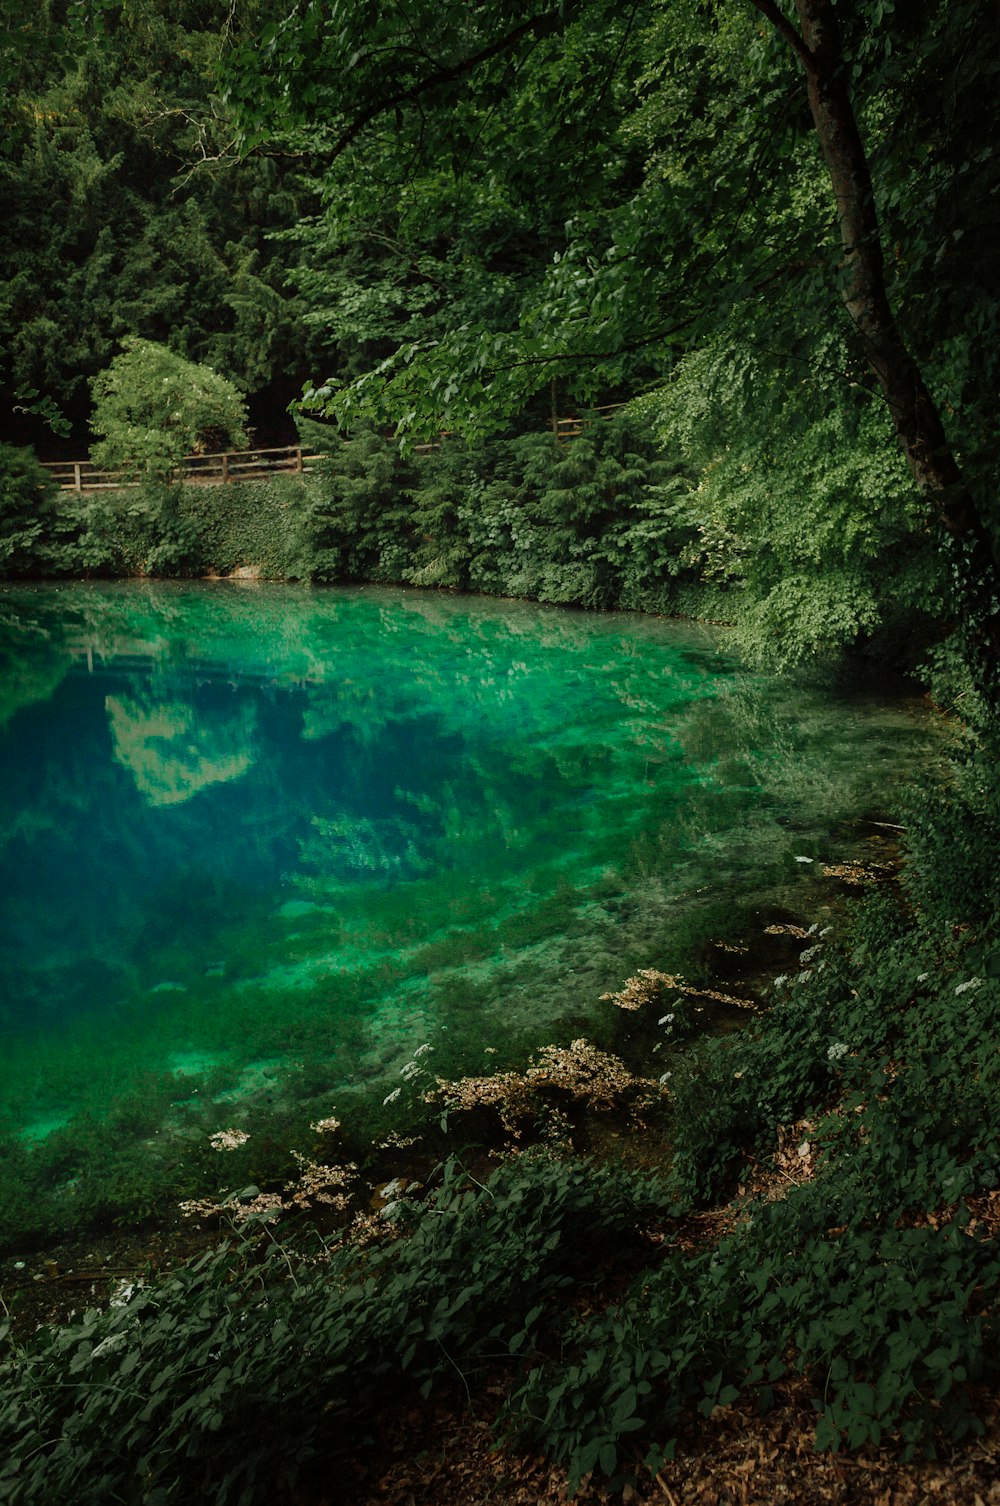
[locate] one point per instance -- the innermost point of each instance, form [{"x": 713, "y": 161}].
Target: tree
[
  {"x": 152, "y": 407},
  {"x": 706, "y": 223},
  {"x": 27, "y": 495},
  {"x": 915, "y": 415},
  {"x": 454, "y": 156},
  {"x": 126, "y": 212}
]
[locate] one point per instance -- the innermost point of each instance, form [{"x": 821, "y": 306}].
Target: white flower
[
  {"x": 229, "y": 1139},
  {"x": 422, "y": 1050},
  {"x": 963, "y": 988},
  {"x": 805, "y": 860},
  {"x": 666, "y": 1019},
  {"x": 838, "y": 1050},
  {"x": 665, "y": 1079},
  {"x": 391, "y": 1097},
  {"x": 109, "y": 1345},
  {"x": 922, "y": 977},
  {"x": 124, "y": 1291}
]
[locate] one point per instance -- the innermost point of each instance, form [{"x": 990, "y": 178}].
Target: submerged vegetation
[
  {"x": 749, "y": 247},
  {"x": 302, "y": 834}
]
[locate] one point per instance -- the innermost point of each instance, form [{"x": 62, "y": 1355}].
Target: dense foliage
[
  {"x": 517, "y": 215},
  {"x": 27, "y": 498},
  {"x": 608, "y": 520},
  {"x": 685, "y": 234},
  {"x": 159, "y": 1398},
  {"x": 126, "y": 215},
  {"x": 151, "y": 408}
]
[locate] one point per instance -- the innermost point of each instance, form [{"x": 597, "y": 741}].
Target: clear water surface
[{"x": 273, "y": 839}]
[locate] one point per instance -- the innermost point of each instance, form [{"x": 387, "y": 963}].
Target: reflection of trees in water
[
  {"x": 172, "y": 752},
  {"x": 811, "y": 752},
  {"x": 383, "y": 739},
  {"x": 27, "y": 678},
  {"x": 345, "y": 847},
  {"x": 472, "y": 655}
]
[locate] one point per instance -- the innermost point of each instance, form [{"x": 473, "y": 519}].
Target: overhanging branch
[
  {"x": 540, "y": 25},
  {"x": 785, "y": 29}
]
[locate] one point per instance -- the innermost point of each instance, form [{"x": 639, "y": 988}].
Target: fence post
[
  {"x": 225, "y": 467},
  {"x": 77, "y": 478},
  {"x": 298, "y": 458}
]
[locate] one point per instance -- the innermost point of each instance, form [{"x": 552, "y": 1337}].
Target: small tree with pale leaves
[{"x": 152, "y": 407}]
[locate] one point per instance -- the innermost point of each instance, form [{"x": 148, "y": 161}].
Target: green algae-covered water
[{"x": 260, "y": 844}]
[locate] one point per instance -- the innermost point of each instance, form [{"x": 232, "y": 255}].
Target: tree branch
[
  {"x": 592, "y": 356},
  {"x": 548, "y": 21},
  {"x": 784, "y": 27}
]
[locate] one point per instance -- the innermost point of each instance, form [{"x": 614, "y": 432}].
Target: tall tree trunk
[{"x": 914, "y": 413}]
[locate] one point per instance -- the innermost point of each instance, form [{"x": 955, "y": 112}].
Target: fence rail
[
  {"x": 237, "y": 465},
  {"x": 572, "y": 428},
  {"x": 209, "y": 470}
]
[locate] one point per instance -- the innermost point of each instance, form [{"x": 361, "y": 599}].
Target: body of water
[{"x": 260, "y": 844}]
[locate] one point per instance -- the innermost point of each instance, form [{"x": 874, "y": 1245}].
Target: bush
[
  {"x": 156, "y": 528},
  {"x": 887, "y": 1323},
  {"x": 869, "y": 1274},
  {"x": 27, "y": 510},
  {"x": 152, "y": 407},
  {"x": 592, "y": 523}
]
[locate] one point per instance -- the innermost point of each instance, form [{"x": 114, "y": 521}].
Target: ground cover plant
[{"x": 158, "y": 1398}]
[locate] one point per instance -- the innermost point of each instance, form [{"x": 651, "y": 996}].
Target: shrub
[
  {"x": 152, "y": 407},
  {"x": 889, "y": 1325},
  {"x": 27, "y": 498}
]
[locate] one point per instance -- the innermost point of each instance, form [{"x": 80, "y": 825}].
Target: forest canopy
[
  {"x": 770, "y": 222},
  {"x": 768, "y": 230}
]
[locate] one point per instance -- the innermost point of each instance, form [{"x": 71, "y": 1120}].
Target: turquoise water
[{"x": 265, "y": 842}]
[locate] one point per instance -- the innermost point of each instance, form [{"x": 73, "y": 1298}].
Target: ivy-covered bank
[
  {"x": 611, "y": 519},
  {"x": 856, "y": 1125}
]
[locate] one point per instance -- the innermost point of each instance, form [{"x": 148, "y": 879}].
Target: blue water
[{"x": 273, "y": 839}]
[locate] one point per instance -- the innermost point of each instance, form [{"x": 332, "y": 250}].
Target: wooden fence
[
  {"x": 207, "y": 470},
  {"x": 572, "y": 428},
  {"x": 563, "y": 428},
  {"x": 240, "y": 465}
]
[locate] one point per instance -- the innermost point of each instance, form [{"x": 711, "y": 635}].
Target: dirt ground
[{"x": 736, "y": 1458}]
